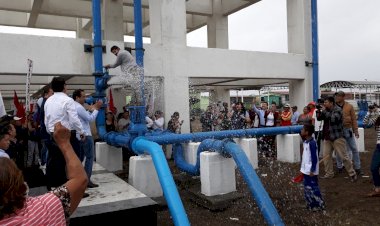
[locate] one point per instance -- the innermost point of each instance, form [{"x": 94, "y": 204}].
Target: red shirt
[{"x": 41, "y": 210}]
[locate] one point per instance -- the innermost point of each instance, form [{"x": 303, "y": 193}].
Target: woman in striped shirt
[
  {"x": 53, "y": 208},
  {"x": 373, "y": 119}
]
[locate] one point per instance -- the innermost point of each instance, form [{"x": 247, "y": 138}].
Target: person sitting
[{"x": 52, "y": 208}]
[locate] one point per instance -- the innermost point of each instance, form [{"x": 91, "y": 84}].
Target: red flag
[
  {"x": 19, "y": 107},
  {"x": 111, "y": 106}
]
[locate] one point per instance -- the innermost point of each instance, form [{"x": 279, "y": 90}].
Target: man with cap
[
  {"x": 286, "y": 116},
  {"x": 350, "y": 131}
]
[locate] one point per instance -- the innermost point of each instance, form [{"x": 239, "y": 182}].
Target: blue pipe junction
[{"x": 314, "y": 49}]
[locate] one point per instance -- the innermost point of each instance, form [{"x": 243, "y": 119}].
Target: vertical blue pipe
[
  {"x": 97, "y": 27},
  {"x": 139, "y": 43},
  {"x": 100, "y": 80},
  {"x": 314, "y": 34},
  {"x": 165, "y": 177}
]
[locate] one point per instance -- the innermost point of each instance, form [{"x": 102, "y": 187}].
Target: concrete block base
[
  {"x": 111, "y": 158},
  {"x": 288, "y": 148},
  {"x": 217, "y": 174},
  {"x": 216, "y": 202},
  {"x": 190, "y": 152},
  {"x": 249, "y": 146},
  {"x": 143, "y": 176}
]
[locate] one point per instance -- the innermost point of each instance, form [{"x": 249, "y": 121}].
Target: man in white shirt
[
  {"x": 60, "y": 108},
  {"x": 86, "y": 145}
]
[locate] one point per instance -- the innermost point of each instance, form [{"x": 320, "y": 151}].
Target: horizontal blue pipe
[
  {"x": 177, "y": 211},
  {"x": 198, "y": 137}
]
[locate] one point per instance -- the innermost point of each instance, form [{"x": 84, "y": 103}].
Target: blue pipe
[
  {"x": 139, "y": 43},
  {"x": 97, "y": 27},
  {"x": 141, "y": 145},
  {"x": 255, "y": 186},
  {"x": 197, "y": 137},
  {"x": 181, "y": 162},
  {"x": 314, "y": 34}
]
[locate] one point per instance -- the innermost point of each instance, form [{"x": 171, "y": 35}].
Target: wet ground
[{"x": 345, "y": 201}]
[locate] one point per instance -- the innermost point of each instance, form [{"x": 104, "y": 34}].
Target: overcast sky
[{"x": 349, "y": 35}]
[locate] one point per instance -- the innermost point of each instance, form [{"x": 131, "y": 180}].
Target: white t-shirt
[
  {"x": 270, "y": 119},
  {"x": 318, "y": 125}
]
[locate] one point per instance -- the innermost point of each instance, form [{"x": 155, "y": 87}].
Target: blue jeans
[
  {"x": 87, "y": 149},
  {"x": 44, "y": 152},
  {"x": 352, "y": 149},
  {"x": 375, "y": 166}
]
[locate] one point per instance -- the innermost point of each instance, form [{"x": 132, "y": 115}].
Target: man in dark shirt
[{"x": 333, "y": 138}]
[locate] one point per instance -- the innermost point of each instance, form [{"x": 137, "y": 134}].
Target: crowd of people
[{"x": 58, "y": 139}]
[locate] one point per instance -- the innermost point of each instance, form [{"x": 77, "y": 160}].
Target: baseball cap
[
  {"x": 287, "y": 106},
  {"x": 311, "y": 103}
]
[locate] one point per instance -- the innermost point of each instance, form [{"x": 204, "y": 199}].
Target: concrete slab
[
  {"x": 214, "y": 203},
  {"x": 109, "y": 157},
  {"x": 114, "y": 202}
]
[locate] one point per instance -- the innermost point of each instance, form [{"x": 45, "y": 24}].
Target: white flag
[{"x": 2, "y": 107}]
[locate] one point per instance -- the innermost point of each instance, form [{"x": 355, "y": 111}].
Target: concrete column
[
  {"x": 168, "y": 29},
  {"x": 217, "y": 27},
  {"x": 176, "y": 98},
  {"x": 84, "y": 28},
  {"x": 217, "y": 174},
  {"x": 299, "y": 41},
  {"x": 112, "y": 19},
  {"x": 167, "y": 22},
  {"x": 220, "y": 94},
  {"x": 109, "y": 157},
  {"x": 143, "y": 176},
  {"x": 288, "y": 148}
]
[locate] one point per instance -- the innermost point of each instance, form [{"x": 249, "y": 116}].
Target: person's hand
[
  {"x": 82, "y": 137},
  {"x": 107, "y": 66},
  {"x": 357, "y": 135},
  {"x": 98, "y": 104},
  {"x": 311, "y": 174},
  {"x": 61, "y": 134}
]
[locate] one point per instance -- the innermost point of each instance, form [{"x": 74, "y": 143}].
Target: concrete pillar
[
  {"x": 220, "y": 94},
  {"x": 190, "y": 153},
  {"x": 360, "y": 142},
  {"x": 84, "y": 28},
  {"x": 168, "y": 29},
  {"x": 299, "y": 41},
  {"x": 249, "y": 146},
  {"x": 217, "y": 27},
  {"x": 288, "y": 148},
  {"x": 109, "y": 157},
  {"x": 112, "y": 19},
  {"x": 217, "y": 174},
  {"x": 167, "y": 22},
  {"x": 143, "y": 176}
]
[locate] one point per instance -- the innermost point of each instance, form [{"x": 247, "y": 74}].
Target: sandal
[{"x": 374, "y": 194}]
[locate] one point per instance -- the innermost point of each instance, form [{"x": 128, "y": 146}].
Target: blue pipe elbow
[{"x": 177, "y": 211}]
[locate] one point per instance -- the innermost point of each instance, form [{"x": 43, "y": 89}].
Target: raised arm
[{"x": 77, "y": 178}]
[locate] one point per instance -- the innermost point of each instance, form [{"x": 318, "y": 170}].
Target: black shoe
[
  {"x": 92, "y": 185},
  {"x": 354, "y": 178},
  {"x": 359, "y": 172},
  {"x": 85, "y": 195},
  {"x": 340, "y": 170}
]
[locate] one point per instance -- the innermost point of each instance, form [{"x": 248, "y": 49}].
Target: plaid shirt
[{"x": 333, "y": 123}]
